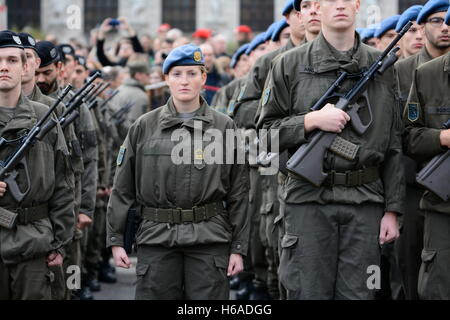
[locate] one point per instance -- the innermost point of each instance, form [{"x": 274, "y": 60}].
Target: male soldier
[
  {"x": 133, "y": 91},
  {"x": 45, "y": 221},
  {"x": 437, "y": 43},
  {"x": 413, "y": 40},
  {"x": 426, "y": 110},
  {"x": 97, "y": 234},
  {"x": 386, "y": 32},
  {"x": 244, "y": 115},
  {"x": 47, "y": 80},
  {"x": 368, "y": 37},
  {"x": 333, "y": 232},
  {"x": 32, "y": 91},
  {"x": 240, "y": 67}
]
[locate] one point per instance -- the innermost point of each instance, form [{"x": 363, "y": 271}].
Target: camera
[{"x": 114, "y": 23}]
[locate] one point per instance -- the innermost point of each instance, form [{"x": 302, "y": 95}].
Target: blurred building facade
[{"x": 75, "y": 18}]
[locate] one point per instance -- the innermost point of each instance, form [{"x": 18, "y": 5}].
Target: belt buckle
[{"x": 189, "y": 213}]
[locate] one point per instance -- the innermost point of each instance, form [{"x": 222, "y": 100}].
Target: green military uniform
[
  {"x": 426, "y": 111},
  {"x": 172, "y": 253},
  {"x": 410, "y": 244},
  {"x": 244, "y": 115},
  {"x": 46, "y": 215},
  {"x": 223, "y": 97},
  {"x": 134, "y": 92},
  {"x": 73, "y": 250},
  {"x": 332, "y": 231},
  {"x": 97, "y": 232}
]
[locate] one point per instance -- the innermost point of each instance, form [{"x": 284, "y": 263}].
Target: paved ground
[{"x": 124, "y": 289}]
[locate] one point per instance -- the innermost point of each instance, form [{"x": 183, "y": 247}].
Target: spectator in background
[
  {"x": 215, "y": 79},
  {"x": 181, "y": 42},
  {"x": 158, "y": 97},
  {"x": 219, "y": 43},
  {"x": 52, "y": 38},
  {"x": 115, "y": 76},
  {"x": 243, "y": 34},
  {"x": 174, "y": 34},
  {"x": 201, "y": 36},
  {"x": 163, "y": 30},
  {"x": 127, "y": 46},
  {"x": 147, "y": 44}
]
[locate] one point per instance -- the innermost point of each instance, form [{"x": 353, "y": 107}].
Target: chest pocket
[{"x": 158, "y": 147}]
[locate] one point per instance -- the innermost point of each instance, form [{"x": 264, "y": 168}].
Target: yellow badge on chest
[{"x": 198, "y": 154}]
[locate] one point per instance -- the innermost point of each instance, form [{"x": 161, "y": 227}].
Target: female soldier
[{"x": 195, "y": 229}]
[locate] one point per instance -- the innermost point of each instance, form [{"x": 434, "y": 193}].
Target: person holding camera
[{"x": 127, "y": 46}]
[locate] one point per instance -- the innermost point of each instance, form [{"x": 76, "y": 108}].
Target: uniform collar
[
  {"x": 168, "y": 117},
  {"x": 24, "y": 118},
  {"x": 324, "y": 57},
  {"x": 36, "y": 95},
  {"x": 424, "y": 56},
  {"x": 130, "y": 82}
]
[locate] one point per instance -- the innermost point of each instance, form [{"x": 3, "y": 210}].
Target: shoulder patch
[
  {"x": 121, "y": 156},
  {"x": 413, "y": 111},
  {"x": 242, "y": 92},
  {"x": 266, "y": 96}
]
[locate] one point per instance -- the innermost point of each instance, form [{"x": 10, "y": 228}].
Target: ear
[
  {"x": 358, "y": 6},
  {"x": 38, "y": 62}
]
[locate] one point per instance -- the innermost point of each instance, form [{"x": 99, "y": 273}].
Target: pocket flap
[
  {"x": 288, "y": 241},
  {"x": 141, "y": 269},
  {"x": 428, "y": 255},
  {"x": 221, "y": 262}
]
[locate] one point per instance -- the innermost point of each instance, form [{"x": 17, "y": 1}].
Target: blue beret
[
  {"x": 367, "y": 33},
  {"x": 237, "y": 55},
  {"x": 288, "y": 7},
  {"x": 269, "y": 32},
  {"x": 281, "y": 25},
  {"x": 257, "y": 41},
  {"x": 9, "y": 39},
  {"x": 187, "y": 55},
  {"x": 410, "y": 14},
  {"x": 360, "y": 30},
  {"x": 432, "y": 7},
  {"x": 297, "y": 4},
  {"x": 386, "y": 25},
  {"x": 447, "y": 18}
]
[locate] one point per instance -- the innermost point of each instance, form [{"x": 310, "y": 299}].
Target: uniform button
[
  {"x": 238, "y": 246},
  {"x": 113, "y": 238}
]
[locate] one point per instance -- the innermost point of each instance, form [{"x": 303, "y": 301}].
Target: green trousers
[
  {"x": 29, "y": 280},
  {"x": 434, "y": 276},
  {"x": 328, "y": 251},
  {"x": 183, "y": 273}
]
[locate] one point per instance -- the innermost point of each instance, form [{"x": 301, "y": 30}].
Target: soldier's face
[
  {"x": 437, "y": 35},
  {"x": 412, "y": 41},
  {"x": 33, "y": 62},
  {"x": 284, "y": 36},
  {"x": 386, "y": 39},
  {"x": 296, "y": 24},
  {"x": 47, "y": 76},
  {"x": 186, "y": 82},
  {"x": 311, "y": 16},
  {"x": 242, "y": 66},
  {"x": 12, "y": 69},
  {"x": 79, "y": 76},
  {"x": 338, "y": 14},
  {"x": 69, "y": 65}
]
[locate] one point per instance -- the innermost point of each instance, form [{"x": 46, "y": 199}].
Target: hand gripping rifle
[
  {"x": 435, "y": 176},
  {"x": 307, "y": 162},
  {"x": 9, "y": 168}
]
